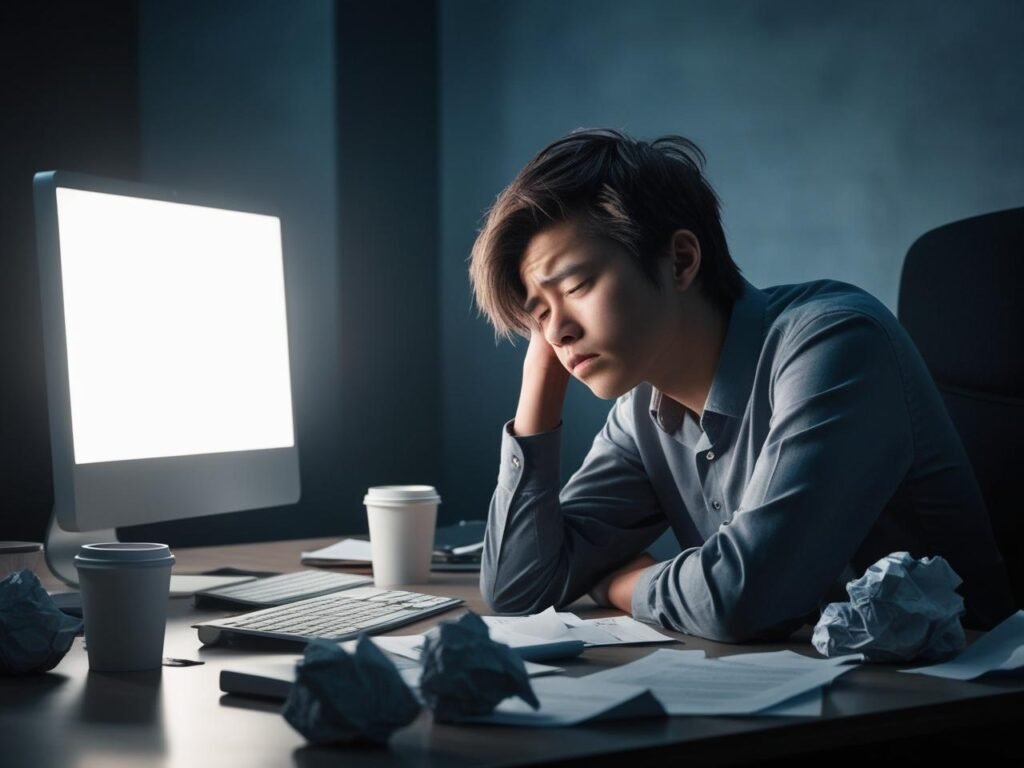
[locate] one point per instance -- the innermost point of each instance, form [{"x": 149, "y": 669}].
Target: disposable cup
[
  {"x": 125, "y": 590},
  {"x": 401, "y": 520}
]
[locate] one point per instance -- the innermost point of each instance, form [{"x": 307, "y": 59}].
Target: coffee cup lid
[
  {"x": 124, "y": 553},
  {"x": 401, "y": 494}
]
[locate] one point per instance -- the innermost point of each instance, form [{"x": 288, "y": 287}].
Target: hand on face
[{"x": 541, "y": 359}]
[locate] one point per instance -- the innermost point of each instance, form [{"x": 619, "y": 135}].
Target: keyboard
[
  {"x": 278, "y": 590},
  {"x": 337, "y": 617}
]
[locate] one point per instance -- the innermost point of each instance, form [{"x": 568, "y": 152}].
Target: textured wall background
[{"x": 835, "y": 135}]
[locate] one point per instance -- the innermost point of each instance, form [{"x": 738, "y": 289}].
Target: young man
[{"x": 790, "y": 436}]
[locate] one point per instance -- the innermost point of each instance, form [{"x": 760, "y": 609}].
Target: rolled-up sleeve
[
  {"x": 544, "y": 547},
  {"x": 823, "y": 476}
]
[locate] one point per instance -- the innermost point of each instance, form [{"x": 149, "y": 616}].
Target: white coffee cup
[
  {"x": 401, "y": 519},
  {"x": 125, "y": 590}
]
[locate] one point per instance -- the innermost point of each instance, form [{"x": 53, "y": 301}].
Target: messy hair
[{"x": 633, "y": 193}]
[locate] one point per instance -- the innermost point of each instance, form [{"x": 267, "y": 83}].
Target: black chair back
[{"x": 962, "y": 301}]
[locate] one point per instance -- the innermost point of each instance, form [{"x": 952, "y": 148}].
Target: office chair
[{"x": 960, "y": 299}]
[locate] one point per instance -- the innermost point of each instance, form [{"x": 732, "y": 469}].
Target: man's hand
[
  {"x": 623, "y": 581},
  {"x": 542, "y": 395}
]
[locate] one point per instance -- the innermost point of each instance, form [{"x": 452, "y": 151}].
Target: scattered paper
[
  {"x": 528, "y": 648},
  {"x": 344, "y": 551},
  {"x": 615, "y": 630},
  {"x": 688, "y": 684},
  {"x": 1001, "y": 649},
  {"x": 808, "y": 704},
  {"x": 553, "y": 626},
  {"x": 412, "y": 674},
  {"x": 573, "y": 700}
]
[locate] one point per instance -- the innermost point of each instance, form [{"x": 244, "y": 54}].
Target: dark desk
[{"x": 179, "y": 717}]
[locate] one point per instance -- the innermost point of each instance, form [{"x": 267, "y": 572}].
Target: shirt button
[
  {"x": 716, "y": 504},
  {"x": 515, "y": 462},
  {"x": 710, "y": 455}
]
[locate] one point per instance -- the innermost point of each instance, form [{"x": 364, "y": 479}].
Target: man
[{"x": 789, "y": 436}]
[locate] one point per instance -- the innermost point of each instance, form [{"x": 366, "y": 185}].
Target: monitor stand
[{"x": 62, "y": 546}]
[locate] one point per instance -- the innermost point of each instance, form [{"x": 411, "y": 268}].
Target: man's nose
[{"x": 561, "y": 329}]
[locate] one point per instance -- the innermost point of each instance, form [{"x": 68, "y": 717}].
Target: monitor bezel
[{"x": 140, "y": 491}]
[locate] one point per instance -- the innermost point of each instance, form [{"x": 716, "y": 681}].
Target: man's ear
[{"x": 685, "y": 258}]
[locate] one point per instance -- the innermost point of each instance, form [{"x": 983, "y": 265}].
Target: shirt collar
[{"x": 734, "y": 377}]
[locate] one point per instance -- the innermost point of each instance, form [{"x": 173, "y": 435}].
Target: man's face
[{"x": 603, "y": 317}]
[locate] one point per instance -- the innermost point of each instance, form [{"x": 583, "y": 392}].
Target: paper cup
[
  {"x": 125, "y": 590},
  {"x": 401, "y": 520},
  {"x": 15, "y": 555}
]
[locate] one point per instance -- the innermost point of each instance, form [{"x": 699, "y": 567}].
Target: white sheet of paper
[
  {"x": 687, "y": 684},
  {"x": 613, "y": 630},
  {"x": 572, "y": 700},
  {"x": 551, "y": 625},
  {"x": 1001, "y": 649},
  {"x": 411, "y": 674},
  {"x": 346, "y": 549},
  {"x": 544, "y": 626},
  {"x": 411, "y": 647},
  {"x": 808, "y": 704}
]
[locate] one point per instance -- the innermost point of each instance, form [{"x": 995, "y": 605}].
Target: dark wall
[
  {"x": 69, "y": 100},
  {"x": 836, "y": 133},
  {"x": 324, "y": 112}
]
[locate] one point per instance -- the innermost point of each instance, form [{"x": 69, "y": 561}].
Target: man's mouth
[{"x": 577, "y": 360}]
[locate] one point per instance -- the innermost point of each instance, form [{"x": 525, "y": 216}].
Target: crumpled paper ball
[
  {"x": 465, "y": 673},
  {"x": 34, "y": 633},
  {"x": 900, "y": 609},
  {"x": 338, "y": 698}
]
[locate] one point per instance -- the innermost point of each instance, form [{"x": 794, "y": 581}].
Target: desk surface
[{"x": 179, "y": 717}]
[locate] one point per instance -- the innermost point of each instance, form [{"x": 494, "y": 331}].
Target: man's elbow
[
  {"x": 510, "y": 598},
  {"x": 732, "y": 626}
]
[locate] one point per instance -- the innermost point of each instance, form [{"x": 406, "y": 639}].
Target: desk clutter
[
  {"x": 900, "y": 609},
  {"x": 457, "y": 547},
  {"x": 463, "y": 675},
  {"x": 497, "y": 669},
  {"x": 34, "y": 633}
]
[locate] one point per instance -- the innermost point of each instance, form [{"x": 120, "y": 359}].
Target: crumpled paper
[
  {"x": 338, "y": 698},
  {"x": 900, "y": 609},
  {"x": 34, "y": 633},
  {"x": 465, "y": 673}
]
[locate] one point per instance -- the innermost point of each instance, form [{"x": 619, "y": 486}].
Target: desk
[{"x": 179, "y": 717}]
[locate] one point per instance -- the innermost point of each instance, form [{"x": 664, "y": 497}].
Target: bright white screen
[{"x": 176, "y": 334}]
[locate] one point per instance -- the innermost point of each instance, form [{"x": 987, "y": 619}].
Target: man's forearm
[
  {"x": 542, "y": 393},
  {"x": 540, "y": 405},
  {"x": 622, "y": 583}
]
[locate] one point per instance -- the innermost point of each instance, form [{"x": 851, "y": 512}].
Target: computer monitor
[{"x": 167, "y": 364}]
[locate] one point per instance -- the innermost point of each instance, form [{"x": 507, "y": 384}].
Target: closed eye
[{"x": 579, "y": 287}]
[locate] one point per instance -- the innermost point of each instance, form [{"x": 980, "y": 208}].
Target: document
[
  {"x": 804, "y": 705},
  {"x": 574, "y": 700},
  {"x": 552, "y": 625},
  {"x": 344, "y": 552},
  {"x": 273, "y": 679},
  {"x": 687, "y": 684},
  {"x": 529, "y": 648},
  {"x": 1000, "y": 650}
]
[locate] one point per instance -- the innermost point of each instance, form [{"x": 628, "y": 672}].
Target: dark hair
[{"x": 631, "y": 192}]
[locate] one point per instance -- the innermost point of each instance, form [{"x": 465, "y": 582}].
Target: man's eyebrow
[{"x": 558, "y": 277}]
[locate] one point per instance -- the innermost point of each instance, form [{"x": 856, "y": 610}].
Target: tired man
[{"x": 789, "y": 436}]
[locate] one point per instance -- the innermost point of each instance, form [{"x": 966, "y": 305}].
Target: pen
[{"x": 468, "y": 549}]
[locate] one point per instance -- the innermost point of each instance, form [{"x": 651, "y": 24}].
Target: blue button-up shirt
[{"x": 823, "y": 446}]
